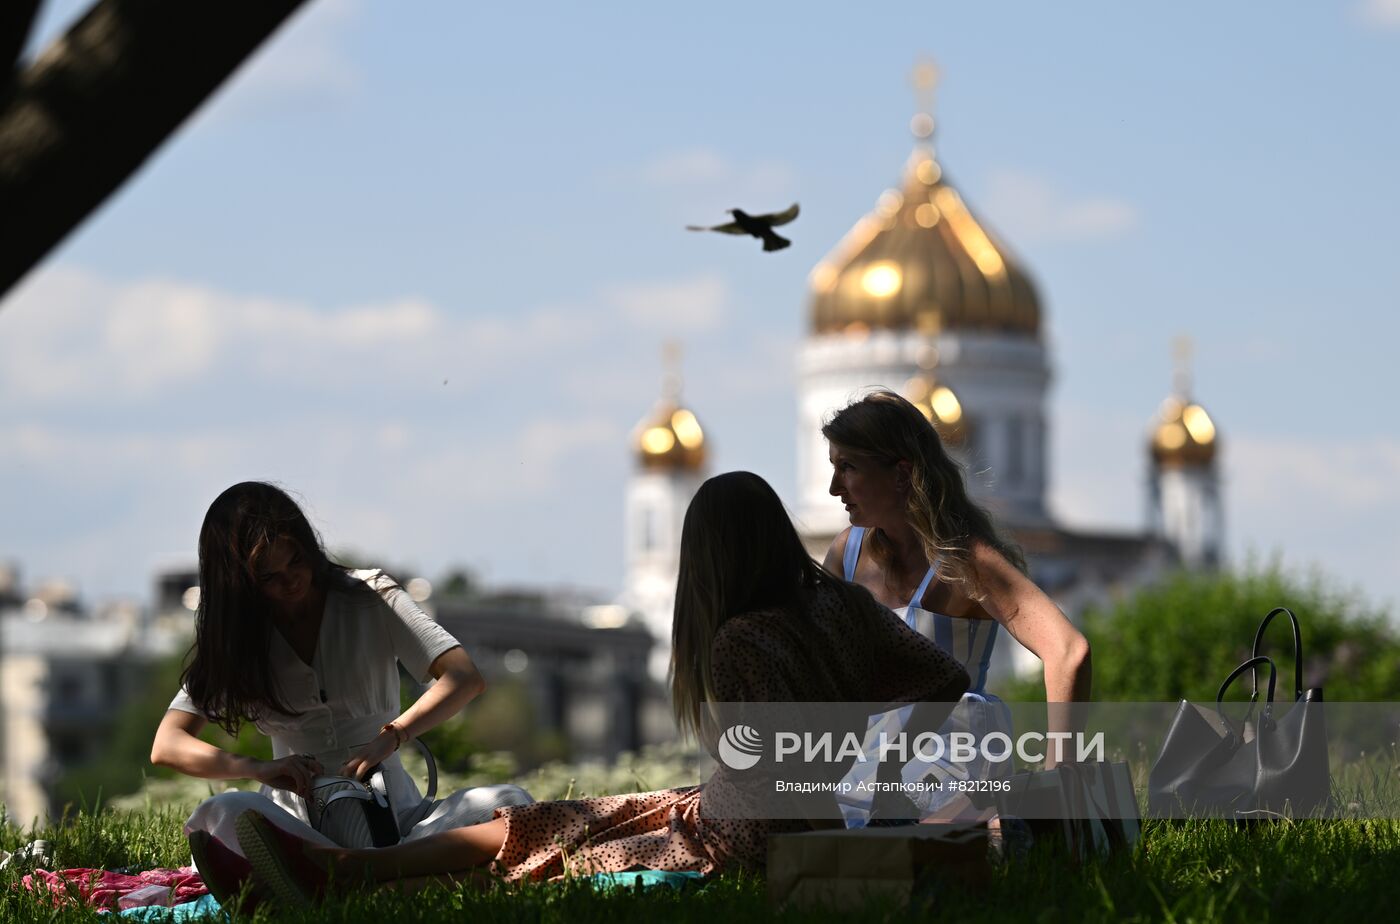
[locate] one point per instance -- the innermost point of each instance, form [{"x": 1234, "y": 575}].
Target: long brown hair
[
  {"x": 739, "y": 554},
  {"x": 229, "y": 676},
  {"x": 885, "y": 427}
]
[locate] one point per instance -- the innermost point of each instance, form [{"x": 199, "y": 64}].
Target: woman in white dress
[
  {"x": 309, "y": 652},
  {"x": 925, "y": 549}
]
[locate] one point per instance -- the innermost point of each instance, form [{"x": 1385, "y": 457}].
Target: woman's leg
[
  {"x": 451, "y": 851},
  {"x": 214, "y": 846},
  {"x": 468, "y": 807},
  {"x": 298, "y": 872}
]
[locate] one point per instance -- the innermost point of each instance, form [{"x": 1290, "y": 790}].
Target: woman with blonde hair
[
  {"x": 756, "y": 620},
  {"x": 924, "y": 548}
]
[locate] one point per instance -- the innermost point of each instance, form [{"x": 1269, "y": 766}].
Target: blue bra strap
[{"x": 848, "y": 561}]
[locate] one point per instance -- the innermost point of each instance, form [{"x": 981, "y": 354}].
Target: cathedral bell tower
[
  {"x": 670, "y": 452},
  {"x": 1184, "y": 502}
]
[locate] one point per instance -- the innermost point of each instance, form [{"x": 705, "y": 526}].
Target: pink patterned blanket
[{"x": 100, "y": 888}]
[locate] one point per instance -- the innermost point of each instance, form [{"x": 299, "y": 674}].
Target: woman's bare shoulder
[{"x": 836, "y": 553}]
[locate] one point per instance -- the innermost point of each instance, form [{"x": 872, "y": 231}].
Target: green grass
[{"x": 1195, "y": 871}]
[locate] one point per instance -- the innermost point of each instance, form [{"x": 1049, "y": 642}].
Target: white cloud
[
  {"x": 1027, "y": 207},
  {"x": 707, "y": 176},
  {"x": 1333, "y": 503},
  {"x": 130, "y": 404},
  {"x": 697, "y": 165},
  {"x": 1384, "y": 13},
  {"x": 532, "y": 460},
  {"x": 305, "y": 63},
  {"x": 77, "y": 338},
  {"x": 1291, "y": 479},
  {"x": 410, "y": 489},
  {"x": 72, "y": 336},
  {"x": 684, "y": 306}
]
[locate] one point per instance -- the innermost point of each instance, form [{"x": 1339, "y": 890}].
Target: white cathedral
[{"x": 922, "y": 298}]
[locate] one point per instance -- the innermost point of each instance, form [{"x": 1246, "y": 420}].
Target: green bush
[{"x": 1182, "y": 638}]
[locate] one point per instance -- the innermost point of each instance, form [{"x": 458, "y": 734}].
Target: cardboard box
[{"x": 846, "y": 870}]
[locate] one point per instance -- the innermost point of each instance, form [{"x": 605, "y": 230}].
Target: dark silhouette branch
[
  {"x": 16, "y": 19},
  {"x": 89, "y": 110}
]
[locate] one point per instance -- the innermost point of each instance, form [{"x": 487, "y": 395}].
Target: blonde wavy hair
[{"x": 885, "y": 427}]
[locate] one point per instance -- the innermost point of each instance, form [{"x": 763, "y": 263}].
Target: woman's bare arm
[
  {"x": 458, "y": 682},
  {"x": 177, "y": 746},
  {"x": 1034, "y": 620}
]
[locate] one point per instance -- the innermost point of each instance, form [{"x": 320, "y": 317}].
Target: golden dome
[
  {"x": 1184, "y": 434},
  {"x": 921, "y": 261},
  {"x": 939, "y": 406},
  {"x": 670, "y": 438}
]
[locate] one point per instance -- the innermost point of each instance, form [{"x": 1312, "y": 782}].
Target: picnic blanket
[
  {"x": 103, "y": 889},
  {"x": 644, "y": 879},
  {"x": 202, "y": 907},
  {"x": 187, "y": 899}
]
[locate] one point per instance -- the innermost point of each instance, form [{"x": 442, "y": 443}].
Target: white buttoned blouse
[{"x": 351, "y": 687}]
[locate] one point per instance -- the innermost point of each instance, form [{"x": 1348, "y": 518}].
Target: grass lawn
[{"x": 1197, "y": 871}]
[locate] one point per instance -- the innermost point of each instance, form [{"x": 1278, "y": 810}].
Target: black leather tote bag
[{"x": 1275, "y": 767}]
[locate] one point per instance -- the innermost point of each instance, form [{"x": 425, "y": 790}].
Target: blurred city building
[
  {"x": 65, "y": 674},
  {"x": 583, "y": 664}
]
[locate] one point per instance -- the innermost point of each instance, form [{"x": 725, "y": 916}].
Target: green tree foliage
[
  {"x": 1182, "y": 638},
  {"x": 458, "y": 584},
  {"x": 502, "y": 719},
  {"x": 124, "y": 761}
]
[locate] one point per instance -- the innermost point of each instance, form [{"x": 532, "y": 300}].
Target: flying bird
[{"x": 759, "y": 226}]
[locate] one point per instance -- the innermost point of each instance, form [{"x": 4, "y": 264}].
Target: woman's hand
[
  {"x": 364, "y": 759},
  {"x": 293, "y": 773}
]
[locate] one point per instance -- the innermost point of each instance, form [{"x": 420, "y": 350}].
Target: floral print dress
[{"x": 828, "y": 652}]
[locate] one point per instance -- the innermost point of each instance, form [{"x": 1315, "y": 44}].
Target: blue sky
[{"x": 417, "y": 263}]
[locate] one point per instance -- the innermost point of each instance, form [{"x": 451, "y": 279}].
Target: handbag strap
[
  {"x": 432, "y": 768},
  {"x": 1297, "y": 647},
  {"x": 1249, "y": 665},
  {"x": 368, "y": 794}
]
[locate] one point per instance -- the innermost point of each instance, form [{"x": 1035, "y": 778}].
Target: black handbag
[
  {"x": 1275, "y": 767},
  {"x": 359, "y": 813}
]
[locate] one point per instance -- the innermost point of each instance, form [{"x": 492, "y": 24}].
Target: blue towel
[
  {"x": 643, "y": 879},
  {"x": 198, "y": 909}
]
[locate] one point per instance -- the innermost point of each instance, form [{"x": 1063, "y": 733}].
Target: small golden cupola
[
  {"x": 936, "y": 401},
  {"x": 1183, "y": 434},
  {"x": 921, "y": 261},
  {"x": 669, "y": 438}
]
